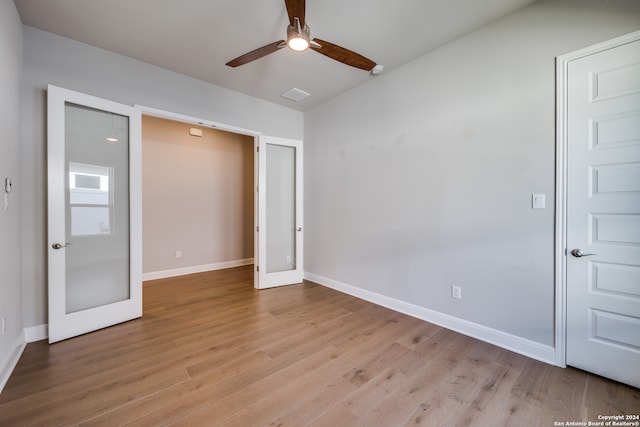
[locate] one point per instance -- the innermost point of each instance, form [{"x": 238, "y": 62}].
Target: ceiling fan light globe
[
  {"x": 298, "y": 37},
  {"x": 298, "y": 44}
]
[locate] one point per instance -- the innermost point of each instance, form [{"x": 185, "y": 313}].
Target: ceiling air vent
[{"x": 295, "y": 94}]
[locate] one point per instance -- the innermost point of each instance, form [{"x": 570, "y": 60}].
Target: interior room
[
  {"x": 436, "y": 196},
  {"x": 197, "y": 198}
]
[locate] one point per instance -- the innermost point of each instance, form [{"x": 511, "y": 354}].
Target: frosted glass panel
[
  {"x": 97, "y": 207},
  {"x": 280, "y": 207}
]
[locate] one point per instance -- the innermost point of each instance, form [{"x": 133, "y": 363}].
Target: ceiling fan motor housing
[{"x": 300, "y": 35}]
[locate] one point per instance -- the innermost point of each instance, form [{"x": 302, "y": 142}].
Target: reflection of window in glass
[{"x": 90, "y": 199}]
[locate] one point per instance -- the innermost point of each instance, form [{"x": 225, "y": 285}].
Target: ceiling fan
[{"x": 299, "y": 39}]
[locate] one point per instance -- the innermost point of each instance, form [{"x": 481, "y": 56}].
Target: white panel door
[
  {"x": 603, "y": 213},
  {"x": 94, "y": 213},
  {"x": 279, "y": 231}
]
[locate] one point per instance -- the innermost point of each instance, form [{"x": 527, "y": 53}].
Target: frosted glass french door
[
  {"x": 94, "y": 213},
  {"x": 280, "y": 230}
]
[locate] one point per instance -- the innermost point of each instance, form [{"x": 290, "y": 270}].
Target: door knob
[
  {"x": 57, "y": 245},
  {"x": 579, "y": 254},
  {"x": 299, "y": 228}
]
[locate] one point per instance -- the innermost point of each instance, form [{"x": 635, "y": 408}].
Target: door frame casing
[
  {"x": 260, "y": 281},
  {"x": 170, "y": 115},
  {"x": 562, "y": 177}
]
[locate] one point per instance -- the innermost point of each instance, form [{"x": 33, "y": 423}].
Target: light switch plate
[{"x": 538, "y": 201}]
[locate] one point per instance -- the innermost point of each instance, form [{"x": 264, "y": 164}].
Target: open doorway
[
  {"x": 197, "y": 198},
  {"x": 274, "y": 186}
]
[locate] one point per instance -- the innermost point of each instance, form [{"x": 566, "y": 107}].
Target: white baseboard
[
  {"x": 36, "y": 333},
  {"x": 163, "y": 274},
  {"x": 532, "y": 349},
  {"x": 9, "y": 365}
]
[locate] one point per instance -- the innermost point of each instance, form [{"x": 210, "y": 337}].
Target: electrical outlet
[
  {"x": 456, "y": 292},
  {"x": 4, "y": 325},
  {"x": 178, "y": 254}
]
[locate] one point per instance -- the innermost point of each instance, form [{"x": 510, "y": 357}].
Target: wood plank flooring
[{"x": 212, "y": 351}]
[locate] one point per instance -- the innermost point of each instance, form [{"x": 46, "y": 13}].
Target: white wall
[
  {"x": 422, "y": 178},
  {"x": 50, "y": 59},
  {"x": 10, "y": 220},
  {"x": 197, "y": 197}
]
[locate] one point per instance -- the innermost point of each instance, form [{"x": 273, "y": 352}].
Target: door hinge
[
  {"x": 257, "y": 149},
  {"x": 257, "y": 189},
  {"x": 258, "y": 229},
  {"x": 257, "y": 268}
]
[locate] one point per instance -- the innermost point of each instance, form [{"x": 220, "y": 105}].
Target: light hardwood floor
[{"x": 211, "y": 350}]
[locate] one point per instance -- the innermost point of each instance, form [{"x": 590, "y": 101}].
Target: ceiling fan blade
[
  {"x": 256, "y": 54},
  {"x": 295, "y": 9},
  {"x": 343, "y": 55}
]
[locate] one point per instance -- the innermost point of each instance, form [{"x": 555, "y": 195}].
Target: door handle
[
  {"x": 299, "y": 229},
  {"x": 579, "y": 254},
  {"x": 57, "y": 245}
]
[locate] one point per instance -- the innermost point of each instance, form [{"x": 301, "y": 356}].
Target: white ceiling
[{"x": 197, "y": 37}]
